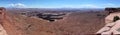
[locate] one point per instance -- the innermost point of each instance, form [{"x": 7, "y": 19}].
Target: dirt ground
[{"x": 77, "y": 23}]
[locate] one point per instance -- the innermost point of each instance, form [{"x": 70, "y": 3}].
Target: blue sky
[{"x": 60, "y": 3}]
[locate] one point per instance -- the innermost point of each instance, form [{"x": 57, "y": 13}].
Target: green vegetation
[{"x": 116, "y": 18}]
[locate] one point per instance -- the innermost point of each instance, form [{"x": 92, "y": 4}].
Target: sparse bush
[{"x": 115, "y": 18}]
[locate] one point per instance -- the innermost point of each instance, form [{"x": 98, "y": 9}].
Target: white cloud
[
  {"x": 89, "y": 6},
  {"x": 20, "y": 5},
  {"x": 110, "y": 5},
  {"x": 82, "y": 6},
  {"x": 17, "y": 5}
]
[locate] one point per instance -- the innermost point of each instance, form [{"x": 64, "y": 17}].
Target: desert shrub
[{"x": 115, "y": 18}]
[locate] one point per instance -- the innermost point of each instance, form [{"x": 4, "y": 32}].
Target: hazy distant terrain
[{"x": 75, "y": 22}]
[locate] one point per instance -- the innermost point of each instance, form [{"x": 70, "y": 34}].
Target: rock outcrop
[
  {"x": 112, "y": 10},
  {"x": 50, "y": 16},
  {"x": 112, "y": 22},
  {"x": 46, "y": 16},
  {"x": 2, "y": 14}
]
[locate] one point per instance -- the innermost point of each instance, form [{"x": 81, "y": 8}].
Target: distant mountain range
[{"x": 58, "y": 9}]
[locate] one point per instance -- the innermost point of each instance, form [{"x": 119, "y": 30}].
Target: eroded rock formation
[
  {"x": 112, "y": 21},
  {"x": 112, "y": 10},
  {"x": 46, "y": 16},
  {"x": 50, "y": 16},
  {"x": 2, "y": 14}
]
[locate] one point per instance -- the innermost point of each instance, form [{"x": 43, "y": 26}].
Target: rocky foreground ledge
[
  {"x": 112, "y": 21},
  {"x": 2, "y": 30}
]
